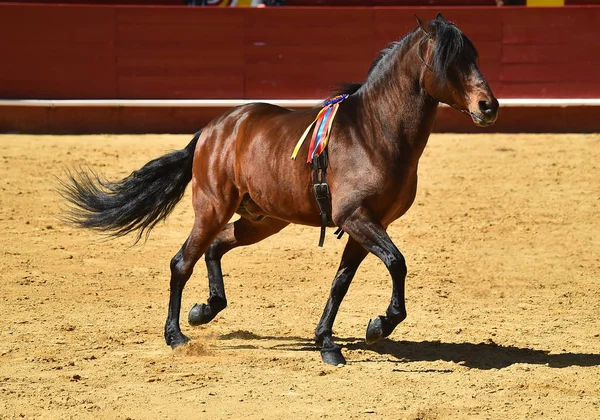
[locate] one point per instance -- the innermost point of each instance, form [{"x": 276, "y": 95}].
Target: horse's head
[{"x": 451, "y": 74}]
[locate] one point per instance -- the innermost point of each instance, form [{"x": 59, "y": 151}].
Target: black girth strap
[{"x": 321, "y": 191}]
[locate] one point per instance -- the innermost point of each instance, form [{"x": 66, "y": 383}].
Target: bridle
[{"x": 426, "y": 38}]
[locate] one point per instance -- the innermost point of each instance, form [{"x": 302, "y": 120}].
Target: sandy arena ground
[{"x": 503, "y": 251}]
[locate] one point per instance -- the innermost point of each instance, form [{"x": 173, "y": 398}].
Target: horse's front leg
[
  {"x": 369, "y": 232},
  {"x": 353, "y": 255}
]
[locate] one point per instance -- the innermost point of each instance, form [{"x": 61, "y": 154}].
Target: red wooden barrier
[
  {"x": 129, "y": 52},
  {"x": 57, "y": 52},
  {"x": 179, "y": 52}
]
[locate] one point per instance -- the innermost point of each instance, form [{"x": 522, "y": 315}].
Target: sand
[{"x": 503, "y": 252}]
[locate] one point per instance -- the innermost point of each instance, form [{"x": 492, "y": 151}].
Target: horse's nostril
[{"x": 486, "y": 107}]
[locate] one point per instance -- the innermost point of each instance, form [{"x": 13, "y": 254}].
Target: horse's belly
[
  {"x": 289, "y": 202},
  {"x": 278, "y": 186}
]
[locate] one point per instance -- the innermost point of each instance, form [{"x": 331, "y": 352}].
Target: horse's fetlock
[
  {"x": 169, "y": 332},
  {"x": 217, "y": 303},
  {"x": 321, "y": 333},
  {"x": 396, "y": 317}
]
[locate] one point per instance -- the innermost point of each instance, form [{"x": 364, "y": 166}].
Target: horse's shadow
[{"x": 478, "y": 356}]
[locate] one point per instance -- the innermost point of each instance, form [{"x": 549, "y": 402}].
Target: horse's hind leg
[
  {"x": 181, "y": 270},
  {"x": 240, "y": 233},
  {"x": 210, "y": 219},
  {"x": 353, "y": 255}
]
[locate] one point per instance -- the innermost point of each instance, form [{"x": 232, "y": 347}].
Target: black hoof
[
  {"x": 375, "y": 330},
  {"x": 179, "y": 341},
  {"x": 333, "y": 356},
  {"x": 197, "y": 315}
]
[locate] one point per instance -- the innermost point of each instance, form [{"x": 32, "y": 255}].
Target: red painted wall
[{"x": 83, "y": 51}]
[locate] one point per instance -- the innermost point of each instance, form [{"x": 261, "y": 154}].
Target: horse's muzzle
[{"x": 486, "y": 113}]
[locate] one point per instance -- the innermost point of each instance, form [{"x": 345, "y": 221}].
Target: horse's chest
[{"x": 401, "y": 198}]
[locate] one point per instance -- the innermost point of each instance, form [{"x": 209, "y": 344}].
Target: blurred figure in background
[{"x": 234, "y": 3}]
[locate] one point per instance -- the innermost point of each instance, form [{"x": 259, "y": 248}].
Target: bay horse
[{"x": 240, "y": 163}]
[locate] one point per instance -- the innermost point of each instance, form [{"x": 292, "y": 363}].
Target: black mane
[
  {"x": 352, "y": 88},
  {"x": 450, "y": 44}
]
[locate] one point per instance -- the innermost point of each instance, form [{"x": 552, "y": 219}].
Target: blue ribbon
[
  {"x": 320, "y": 133},
  {"x": 335, "y": 99}
]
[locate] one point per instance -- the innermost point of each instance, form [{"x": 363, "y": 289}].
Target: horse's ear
[
  {"x": 421, "y": 25},
  {"x": 440, "y": 17}
]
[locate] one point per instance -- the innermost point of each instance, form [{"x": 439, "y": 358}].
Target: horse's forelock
[{"x": 450, "y": 44}]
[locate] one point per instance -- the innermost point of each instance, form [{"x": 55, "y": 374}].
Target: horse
[{"x": 240, "y": 163}]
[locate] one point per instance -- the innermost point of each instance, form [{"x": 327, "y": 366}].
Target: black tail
[{"x": 137, "y": 202}]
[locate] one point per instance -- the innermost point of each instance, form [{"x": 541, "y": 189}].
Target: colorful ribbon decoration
[{"x": 323, "y": 123}]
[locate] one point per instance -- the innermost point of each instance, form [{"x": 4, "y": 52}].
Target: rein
[{"x": 420, "y": 52}]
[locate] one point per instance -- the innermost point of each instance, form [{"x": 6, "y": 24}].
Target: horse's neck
[{"x": 401, "y": 114}]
